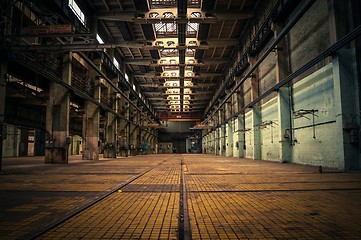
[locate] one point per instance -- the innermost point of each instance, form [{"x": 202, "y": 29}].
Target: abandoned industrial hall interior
[{"x": 180, "y": 119}]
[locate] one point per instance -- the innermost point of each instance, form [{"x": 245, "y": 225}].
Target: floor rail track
[{"x": 42, "y": 231}]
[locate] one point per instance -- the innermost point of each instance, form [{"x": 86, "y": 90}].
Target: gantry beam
[
  {"x": 131, "y": 44},
  {"x": 154, "y": 63},
  {"x": 156, "y": 76},
  {"x": 144, "y": 18}
]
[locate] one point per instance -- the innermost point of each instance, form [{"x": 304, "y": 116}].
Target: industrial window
[
  {"x": 77, "y": 11},
  {"x": 99, "y": 39},
  {"x": 116, "y": 63}
]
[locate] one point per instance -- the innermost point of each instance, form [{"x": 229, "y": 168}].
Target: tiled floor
[{"x": 227, "y": 198}]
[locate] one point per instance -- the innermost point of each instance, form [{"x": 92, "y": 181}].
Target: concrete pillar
[
  {"x": 57, "y": 117},
  {"x": 155, "y": 141},
  {"x": 229, "y": 127},
  {"x": 222, "y": 132},
  {"x": 256, "y": 121},
  {"x": 146, "y": 141},
  {"x": 123, "y": 126},
  {"x": 24, "y": 142},
  {"x": 3, "y": 75},
  {"x": 217, "y": 141},
  {"x": 209, "y": 138},
  {"x": 91, "y": 119},
  {"x": 285, "y": 128},
  {"x": 229, "y": 144},
  {"x": 284, "y": 98},
  {"x": 143, "y": 142},
  {"x": 213, "y": 146},
  {"x": 347, "y": 106},
  {"x": 209, "y": 142},
  {"x": 205, "y": 144},
  {"x": 238, "y": 147},
  {"x": 111, "y": 126},
  {"x": 256, "y": 112},
  {"x": 223, "y": 140},
  {"x": 134, "y": 130},
  {"x": 346, "y": 88}
]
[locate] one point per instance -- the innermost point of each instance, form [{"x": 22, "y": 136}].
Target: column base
[
  {"x": 90, "y": 155},
  {"x": 56, "y": 155},
  {"x": 110, "y": 152}
]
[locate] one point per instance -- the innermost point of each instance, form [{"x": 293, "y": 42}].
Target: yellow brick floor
[
  {"x": 124, "y": 215},
  {"x": 227, "y": 198}
]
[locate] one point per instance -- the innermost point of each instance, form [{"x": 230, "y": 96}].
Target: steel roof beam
[{"x": 143, "y": 18}]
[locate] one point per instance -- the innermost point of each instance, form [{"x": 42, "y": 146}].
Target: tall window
[
  {"x": 116, "y": 63},
  {"x": 77, "y": 11},
  {"x": 99, "y": 39}
]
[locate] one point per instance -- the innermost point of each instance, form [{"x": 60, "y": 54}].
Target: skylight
[
  {"x": 192, "y": 28},
  {"x": 166, "y": 28},
  {"x": 162, "y": 3},
  {"x": 77, "y": 11},
  {"x": 179, "y": 92},
  {"x": 170, "y": 52},
  {"x": 190, "y": 52}
]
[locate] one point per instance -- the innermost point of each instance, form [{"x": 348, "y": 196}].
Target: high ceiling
[{"x": 178, "y": 51}]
